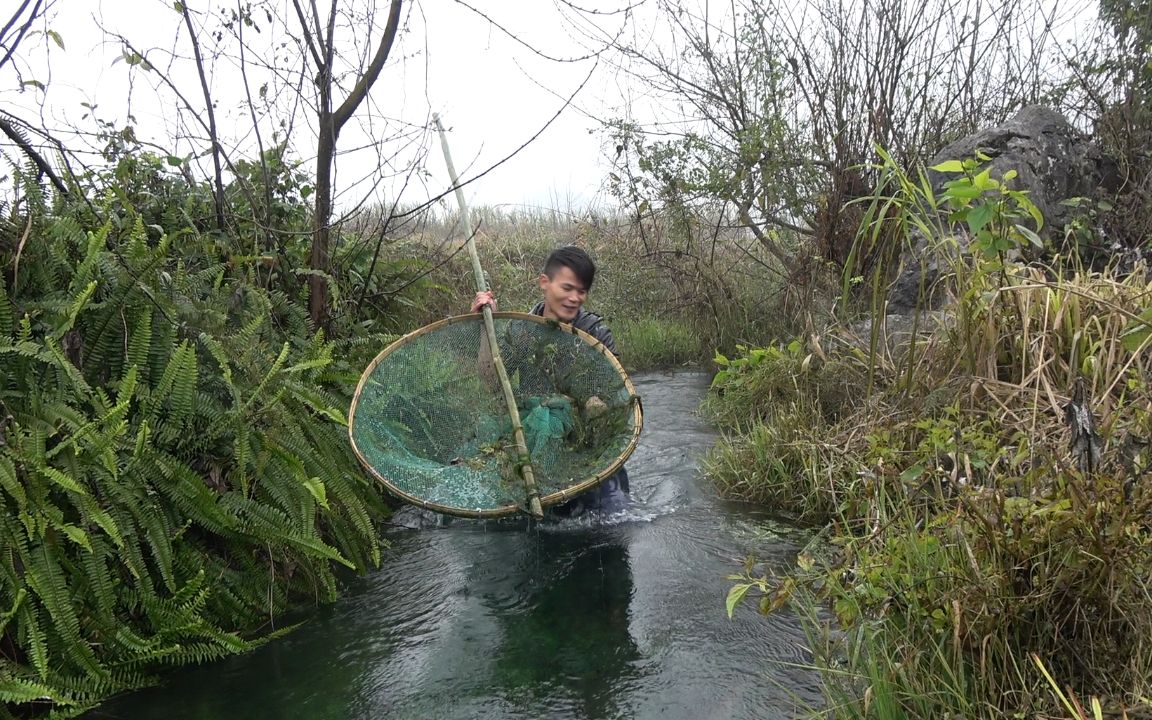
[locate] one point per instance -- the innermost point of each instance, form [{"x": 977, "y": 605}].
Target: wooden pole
[{"x": 523, "y": 460}]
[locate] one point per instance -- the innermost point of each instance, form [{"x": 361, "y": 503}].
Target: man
[{"x": 565, "y": 283}]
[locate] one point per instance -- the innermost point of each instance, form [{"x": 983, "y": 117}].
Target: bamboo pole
[{"x": 523, "y": 460}]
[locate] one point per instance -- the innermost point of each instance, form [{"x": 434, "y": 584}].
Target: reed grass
[
  {"x": 666, "y": 307},
  {"x": 986, "y": 484}
]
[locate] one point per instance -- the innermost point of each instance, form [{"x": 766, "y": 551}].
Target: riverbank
[{"x": 982, "y": 480}]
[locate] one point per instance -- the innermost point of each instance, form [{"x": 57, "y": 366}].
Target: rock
[
  {"x": 1054, "y": 162},
  {"x": 594, "y": 407}
]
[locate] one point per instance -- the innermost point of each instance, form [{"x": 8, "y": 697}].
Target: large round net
[{"x": 430, "y": 420}]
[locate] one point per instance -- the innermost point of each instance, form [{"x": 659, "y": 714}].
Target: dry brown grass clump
[{"x": 989, "y": 496}]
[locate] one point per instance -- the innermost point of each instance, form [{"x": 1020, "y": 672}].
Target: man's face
[{"x": 563, "y": 294}]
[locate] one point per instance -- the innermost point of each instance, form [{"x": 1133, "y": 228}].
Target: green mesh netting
[{"x": 430, "y": 420}]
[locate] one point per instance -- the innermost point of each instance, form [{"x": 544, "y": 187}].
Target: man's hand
[{"x": 482, "y": 299}]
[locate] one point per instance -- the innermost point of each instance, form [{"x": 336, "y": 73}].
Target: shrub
[{"x": 173, "y": 463}]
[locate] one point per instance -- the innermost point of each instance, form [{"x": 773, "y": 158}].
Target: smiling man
[{"x": 565, "y": 282}]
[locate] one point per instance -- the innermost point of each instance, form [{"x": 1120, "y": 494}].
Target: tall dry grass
[
  {"x": 668, "y": 306},
  {"x": 985, "y": 489}
]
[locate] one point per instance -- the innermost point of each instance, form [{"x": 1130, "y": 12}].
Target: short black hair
[{"x": 575, "y": 260}]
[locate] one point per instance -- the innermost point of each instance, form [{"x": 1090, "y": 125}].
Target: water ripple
[{"x": 614, "y": 617}]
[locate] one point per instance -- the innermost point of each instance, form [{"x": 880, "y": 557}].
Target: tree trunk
[
  {"x": 321, "y": 228},
  {"x": 331, "y": 121}
]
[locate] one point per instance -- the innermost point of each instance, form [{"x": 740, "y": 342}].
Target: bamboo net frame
[{"x": 548, "y": 500}]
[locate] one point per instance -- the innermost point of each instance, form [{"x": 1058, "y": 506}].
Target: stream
[{"x": 622, "y": 618}]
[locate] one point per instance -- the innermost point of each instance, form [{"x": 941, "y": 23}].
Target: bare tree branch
[
  {"x": 41, "y": 164},
  {"x": 330, "y": 125},
  {"x": 213, "y": 135},
  {"x": 12, "y": 43}
]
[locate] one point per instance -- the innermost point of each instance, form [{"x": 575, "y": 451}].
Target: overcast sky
[
  {"x": 492, "y": 91},
  {"x": 486, "y": 76}
]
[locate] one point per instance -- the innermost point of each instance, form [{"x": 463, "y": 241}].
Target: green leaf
[
  {"x": 980, "y": 216},
  {"x": 963, "y": 190},
  {"x": 1031, "y": 236},
  {"x": 735, "y": 596},
  {"x": 912, "y": 473},
  {"x": 178, "y": 6},
  {"x": 984, "y": 181},
  {"x": 335, "y": 415},
  {"x": 77, "y": 536},
  {"x": 1137, "y": 333},
  {"x": 33, "y": 83},
  {"x": 950, "y": 166},
  {"x": 56, "y": 38},
  {"x": 318, "y": 491}
]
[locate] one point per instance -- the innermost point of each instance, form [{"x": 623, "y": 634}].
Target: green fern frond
[
  {"x": 33, "y": 638},
  {"x": 216, "y": 350},
  {"x": 10, "y": 483},
  {"x": 46, "y": 579},
  {"x": 183, "y": 397},
  {"x": 161, "y": 349},
  {"x": 98, "y": 582},
  {"x": 242, "y": 447},
  {"x": 140, "y": 340},
  {"x": 62, "y": 480},
  {"x": 6, "y": 314},
  {"x": 190, "y": 496},
  {"x": 131, "y": 554},
  {"x": 159, "y": 534},
  {"x": 17, "y": 690},
  {"x": 75, "y": 308},
  {"x": 7, "y": 615},
  {"x": 86, "y": 271}
]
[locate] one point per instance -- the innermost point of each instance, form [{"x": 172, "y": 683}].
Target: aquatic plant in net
[{"x": 429, "y": 418}]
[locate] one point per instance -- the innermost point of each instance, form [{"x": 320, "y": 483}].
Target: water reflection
[
  {"x": 570, "y": 645},
  {"x": 574, "y": 620}
]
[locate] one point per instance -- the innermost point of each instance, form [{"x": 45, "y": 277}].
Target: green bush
[
  {"x": 984, "y": 490},
  {"x": 649, "y": 343},
  {"x": 174, "y": 469}
]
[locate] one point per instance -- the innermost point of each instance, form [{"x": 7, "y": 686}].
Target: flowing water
[{"x": 468, "y": 619}]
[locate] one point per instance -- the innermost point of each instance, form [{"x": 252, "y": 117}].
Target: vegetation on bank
[
  {"x": 173, "y": 462},
  {"x": 981, "y": 473}
]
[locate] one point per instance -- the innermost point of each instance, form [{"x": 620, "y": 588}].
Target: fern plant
[{"x": 174, "y": 469}]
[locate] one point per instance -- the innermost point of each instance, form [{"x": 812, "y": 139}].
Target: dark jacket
[{"x": 590, "y": 323}]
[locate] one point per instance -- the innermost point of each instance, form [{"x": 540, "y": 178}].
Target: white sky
[{"x": 490, "y": 91}]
